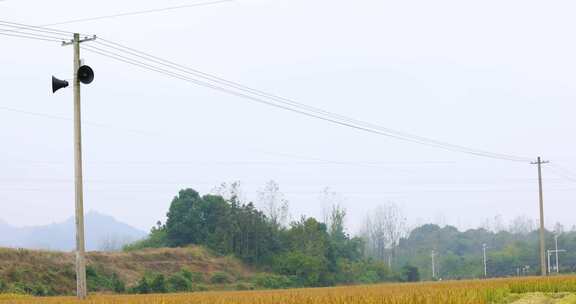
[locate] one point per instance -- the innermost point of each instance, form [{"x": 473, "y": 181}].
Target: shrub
[
  {"x": 308, "y": 269},
  {"x": 243, "y": 286},
  {"x": 178, "y": 283},
  {"x": 143, "y": 287},
  {"x": 369, "y": 277},
  {"x": 200, "y": 287},
  {"x": 95, "y": 280},
  {"x": 117, "y": 284},
  {"x": 158, "y": 284},
  {"x": 220, "y": 277},
  {"x": 273, "y": 281},
  {"x": 35, "y": 289},
  {"x": 193, "y": 277}
]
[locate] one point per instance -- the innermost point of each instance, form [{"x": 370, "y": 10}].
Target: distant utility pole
[
  {"x": 81, "y": 290},
  {"x": 433, "y": 255},
  {"x": 539, "y": 162},
  {"x": 556, "y": 244},
  {"x": 484, "y": 255},
  {"x": 548, "y": 253}
]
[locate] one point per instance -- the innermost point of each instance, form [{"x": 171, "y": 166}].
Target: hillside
[
  {"x": 103, "y": 232},
  {"x": 459, "y": 253},
  {"x": 46, "y": 272}
]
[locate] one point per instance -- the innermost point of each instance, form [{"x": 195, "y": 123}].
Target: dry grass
[
  {"x": 457, "y": 292},
  {"x": 57, "y": 268}
]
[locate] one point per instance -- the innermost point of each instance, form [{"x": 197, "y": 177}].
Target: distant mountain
[{"x": 103, "y": 233}]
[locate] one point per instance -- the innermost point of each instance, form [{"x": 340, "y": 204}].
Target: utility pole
[
  {"x": 81, "y": 290},
  {"x": 543, "y": 271},
  {"x": 484, "y": 255},
  {"x": 433, "y": 265},
  {"x": 548, "y": 253},
  {"x": 556, "y": 243}
]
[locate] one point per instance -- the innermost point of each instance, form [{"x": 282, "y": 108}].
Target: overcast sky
[{"x": 493, "y": 75}]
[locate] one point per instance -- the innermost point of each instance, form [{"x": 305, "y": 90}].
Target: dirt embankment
[{"x": 57, "y": 268}]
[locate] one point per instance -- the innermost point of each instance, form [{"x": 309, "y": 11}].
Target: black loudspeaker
[
  {"x": 57, "y": 84},
  {"x": 85, "y": 74}
]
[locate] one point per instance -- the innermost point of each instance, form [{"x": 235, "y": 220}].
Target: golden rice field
[{"x": 455, "y": 292}]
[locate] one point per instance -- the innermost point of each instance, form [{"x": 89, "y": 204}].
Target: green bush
[
  {"x": 369, "y": 277},
  {"x": 179, "y": 283},
  {"x": 244, "y": 286},
  {"x": 98, "y": 281},
  {"x": 308, "y": 269},
  {"x": 117, "y": 284},
  {"x": 158, "y": 284},
  {"x": 273, "y": 281},
  {"x": 35, "y": 289},
  {"x": 200, "y": 287},
  {"x": 143, "y": 287},
  {"x": 193, "y": 277},
  {"x": 95, "y": 280},
  {"x": 220, "y": 277}
]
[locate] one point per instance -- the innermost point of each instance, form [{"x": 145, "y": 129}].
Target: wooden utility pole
[
  {"x": 543, "y": 269},
  {"x": 81, "y": 290}
]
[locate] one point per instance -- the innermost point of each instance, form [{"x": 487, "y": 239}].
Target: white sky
[{"x": 494, "y": 75}]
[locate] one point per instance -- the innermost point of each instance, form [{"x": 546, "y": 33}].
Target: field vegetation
[
  {"x": 193, "y": 268},
  {"x": 550, "y": 290}
]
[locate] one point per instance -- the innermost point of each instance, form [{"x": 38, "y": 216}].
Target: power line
[
  {"x": 26, "y": 27},
  {"x": 137, "y": 12},
  {"x": 563, "y": 173},
  {"x": 292, "y": 103},
  {"x": 247, "y": 93},
  {"x": 167, "y": 68},
  {"x": 19, "y": 30},
  {"x": 32, "y": 36},
  {"x": 56, "y": 117}
]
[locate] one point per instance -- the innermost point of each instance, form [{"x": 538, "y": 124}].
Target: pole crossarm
[{"x": 85, "y": 39}]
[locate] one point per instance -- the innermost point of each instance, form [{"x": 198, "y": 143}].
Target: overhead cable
[
  {"x": 135, "y": 57},
  {"x": 137, "y": 13}
]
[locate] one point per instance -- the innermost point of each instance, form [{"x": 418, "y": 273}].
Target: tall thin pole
[
  {"x": 548, "y": 253},
  {"x": 433, "y": 265},
  {"x": 78, "y": 189},
  {"x": 539, "y": 162},
  {"x": 557, "y": 263},
  {"x": 484, "y": 255}
]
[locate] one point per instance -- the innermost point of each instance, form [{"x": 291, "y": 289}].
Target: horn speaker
[
  {"x": 57, "y": 84},
  {"x": 85, "y": 74}
]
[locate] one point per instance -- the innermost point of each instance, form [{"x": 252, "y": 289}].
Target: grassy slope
[{"x": 57, "y": 268}]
